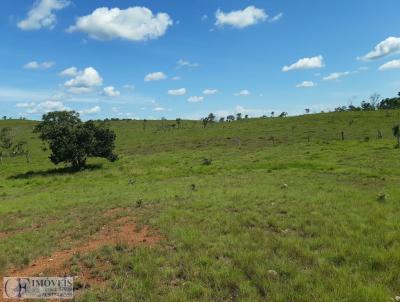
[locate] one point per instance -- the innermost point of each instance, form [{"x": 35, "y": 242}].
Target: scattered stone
[
  {"x": 272, "y": 273},
  {"x": 397, "y": 298},
  {"x": 284, "y": 186},
  {"x": 382, "y": 197},
  {"x": 193, "y": 187}
]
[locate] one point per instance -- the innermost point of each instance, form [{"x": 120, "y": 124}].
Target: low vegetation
[{"x": 270, "y": 209}]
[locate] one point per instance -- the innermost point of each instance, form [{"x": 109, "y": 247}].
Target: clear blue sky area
[{"x": 152, "y": 59}]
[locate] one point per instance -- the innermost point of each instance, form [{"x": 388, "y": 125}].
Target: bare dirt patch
[
  {"x": 116, "y": 211},
  {"x": 5, "y": 235},
  {"x": 122, "y": 231}
]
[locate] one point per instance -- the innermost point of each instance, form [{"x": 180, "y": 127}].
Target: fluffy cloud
[
  {"x": 241, "y": 18},
  {"x": 47, "y": 106},
  {"x": 37, "y": 65},
  {"x": 41, "y": 15},
  {"x": 93, "y": 110},
  {"x": 110, "y": 91},
  {"x": 210, "y": 91},
  {"x": 159, "y": 109},
  {"x": 335, "y": 76},
  {"x": 155, "y": 76},
  {"x": 133, "y": 23},
  {"x": 395, "y": 64},
  {"x": 244, "y": 92},
  {"x": 84, "y": 81},
  {"x": 69, "y": 72},
  {"x": 177, "y": 92},
  {"x": 276, "y": 18},
  {"x": 306, "y": 84},
  {"x": 195, "y": 99},
  {"x": 306, "y": 63},
  {"x": 183, "y": 63},
  {"x": 25, "y": 105},
  {"x": 387, "y": 47},
  {"x": 129, "y": 86}
]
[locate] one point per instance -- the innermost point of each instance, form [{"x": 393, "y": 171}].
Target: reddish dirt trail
[{"x": 121, "y": 231}]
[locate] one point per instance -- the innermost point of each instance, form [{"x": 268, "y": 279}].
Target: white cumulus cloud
[
  {"x": 306, "y": 63},
  {"x": 387, "y": 47},
  {"x": 159, "y": 109},
  {"x": 25, "y": 105},
  {"x": 244, "y": 92},
  {"x": 155, "y": 76},
  {"x": 110, "y": 91},
  {"x": 93, "y": 110},
  {"x": 210, "y": 91},
  {"x": 84, "y": 81},
  {"x": 133, "y": 23},
  {"x": 38, "y": 65},
  {"x": 42, "y": 14},
  {"x": 183, "y": 63},
  {"x": 47, "y": 106},
  {"x": 395, "y": 64},
  {"x": 276, "y": 18},
  {"x": 336, "y": 75},
  {"x": 241, "y": 18},
  {"x": 306, "y": 84},
  {"x": 195, "y": 99},
  {"x": 177, "y": 92},
  {"x": 69, "y": 72}
]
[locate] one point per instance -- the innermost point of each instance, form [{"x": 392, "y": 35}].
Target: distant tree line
[{"x": 374, "y": 103}]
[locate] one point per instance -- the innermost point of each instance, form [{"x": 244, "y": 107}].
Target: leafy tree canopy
[{"x": 73, "y": 141}]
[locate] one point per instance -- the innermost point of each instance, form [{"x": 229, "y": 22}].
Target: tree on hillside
[
  {"x": 367, "y": 106},
  {"x": 211, "y": 118},
  {"x": 204, "y": 120},
  {"x": 392, "y": 103},
  {"x": 283, "y": 114},
  {"x": 230, "y": 118},
  {"x": 6, "y": 142},
  {"x": 396, "y": 134},
  {"x": 222, "y": 119},
  {"x": 4, "y": 117},
  {"x": 238, "y": 116},
  {"x": 73, "y": 141},
  {"x": 307, "y": 111},
  {"x": 272, "y": 113},
  {"x": 374, "y": 100},
  {"x": 178, "y": 122}
]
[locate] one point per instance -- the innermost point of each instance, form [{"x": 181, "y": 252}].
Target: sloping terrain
[{"x": 277, "y": 209}]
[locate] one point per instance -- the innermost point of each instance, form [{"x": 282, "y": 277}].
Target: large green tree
[{"x": 73, "y": 141}]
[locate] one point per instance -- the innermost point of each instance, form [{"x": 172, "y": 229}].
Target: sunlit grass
[{"x": 298, "y": 220}]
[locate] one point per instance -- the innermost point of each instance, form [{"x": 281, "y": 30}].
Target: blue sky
[{"x": 153, "y": 59}]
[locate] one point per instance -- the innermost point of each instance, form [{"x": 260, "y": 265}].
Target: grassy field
[{"x": 306, "y": 217}]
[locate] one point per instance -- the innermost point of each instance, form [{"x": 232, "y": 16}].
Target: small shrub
[{"x": 207, "y": 161}]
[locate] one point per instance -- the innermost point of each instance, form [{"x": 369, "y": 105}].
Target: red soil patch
[
  {"x": 115, "y": 211},
  {"x": 4, "y": 235},
  {"x": 122, "y": 231}
]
